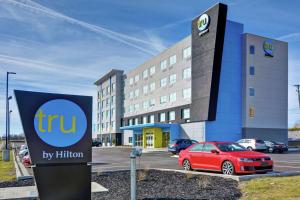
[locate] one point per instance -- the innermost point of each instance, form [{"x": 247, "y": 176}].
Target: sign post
[{"x": 58, "y": 131}]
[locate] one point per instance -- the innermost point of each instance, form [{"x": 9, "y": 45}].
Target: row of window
[
  {"x": 163, "y": 66},
  {"x": 172, "y": 97},
  {"x": 163, "y": 83},
  {"x": 105, "y": 102},
  {"x": 106, "y": 91},
  {"x": 107, "y": 114},
  {"x": 162, "y": 117},
  {"x": 108, "y": 126}
]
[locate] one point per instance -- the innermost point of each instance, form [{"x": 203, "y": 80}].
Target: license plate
[{"x": 264, "y": 164}]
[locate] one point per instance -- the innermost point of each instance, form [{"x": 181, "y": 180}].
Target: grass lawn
[
  {"x": 272, "y": 188},
  {"x": 7, "y": 169}
]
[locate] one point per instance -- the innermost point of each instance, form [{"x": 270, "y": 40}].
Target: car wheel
[
  {"x": 187, "y": 165},
  {"x": 250, "y": 148},
  {"x": 228, "y": 168}
]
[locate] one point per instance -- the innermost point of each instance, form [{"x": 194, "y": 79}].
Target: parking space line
[
  {"x": 286, "y": 166},
  {"x": 287, "y": 162}
]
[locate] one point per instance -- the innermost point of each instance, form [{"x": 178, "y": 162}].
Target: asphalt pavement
[{"x": 117, "y": 158}]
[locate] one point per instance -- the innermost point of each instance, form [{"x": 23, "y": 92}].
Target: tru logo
[
  {"x": 60, "y": 123},
  {"x": 51, "y": 119}
]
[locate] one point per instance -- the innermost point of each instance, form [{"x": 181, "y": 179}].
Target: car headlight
[{"x": 245, "y": 159}]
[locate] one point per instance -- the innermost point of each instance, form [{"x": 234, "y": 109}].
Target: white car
[
  {"x": 23, "y": 152},
  {"x": 253, "y": 144}
]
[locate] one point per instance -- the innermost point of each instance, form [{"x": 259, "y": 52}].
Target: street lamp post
[
  {"x": 6, "y": 154},
  {"x": 9, "y": 121}
]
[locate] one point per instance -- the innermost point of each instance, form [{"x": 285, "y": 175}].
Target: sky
[{"x": 64, "y": 46}]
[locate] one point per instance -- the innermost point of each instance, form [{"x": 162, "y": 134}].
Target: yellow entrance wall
[{"x": 157, "y": 132}]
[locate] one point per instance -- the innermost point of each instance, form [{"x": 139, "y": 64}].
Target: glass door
[{"x": 149, "y": 140}]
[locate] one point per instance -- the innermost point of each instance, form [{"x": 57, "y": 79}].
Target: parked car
[
  {"x": 273, "y": 147},
  {"x": 228, "y": 158},
  {"x": 23, "y": 152},
  {"x": 23, "y": 146},
  {"x": 180, "y": 144},
  {"x": 26, "y": 161},
  {"x": 253, "y": 144},
  {"x": 96, "y": 143}
]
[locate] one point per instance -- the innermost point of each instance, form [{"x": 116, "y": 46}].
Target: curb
[
  {"x": 18, "y": 171},
  {"x": 21, "y": 171}
]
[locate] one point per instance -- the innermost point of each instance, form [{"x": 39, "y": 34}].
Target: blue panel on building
[{"x": 228, "y": 123}]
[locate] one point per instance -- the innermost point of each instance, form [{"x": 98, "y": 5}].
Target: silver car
[{"x": 253, "y": 144}]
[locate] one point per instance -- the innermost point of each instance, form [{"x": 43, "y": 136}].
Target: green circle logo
[
  {"x": 203, "y": 22},
  {"x": 60, "y": 123}
]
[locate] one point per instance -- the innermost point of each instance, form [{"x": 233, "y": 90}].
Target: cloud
[
  {"x": 123, "y": 38},
  {"x": 292, "y": 37}
]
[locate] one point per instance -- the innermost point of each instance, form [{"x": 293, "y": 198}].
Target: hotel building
[{"x": 218, "y": 84}]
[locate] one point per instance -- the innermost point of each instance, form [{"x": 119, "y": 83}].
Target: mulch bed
[{"x": 155, "y": 184}]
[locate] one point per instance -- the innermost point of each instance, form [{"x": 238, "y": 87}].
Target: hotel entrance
[{"x": 149, "y": 140}]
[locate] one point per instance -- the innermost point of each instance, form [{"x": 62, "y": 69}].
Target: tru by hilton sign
[
  {"x": 58, "y": 131},
  {"x": 203, "y": 24}
]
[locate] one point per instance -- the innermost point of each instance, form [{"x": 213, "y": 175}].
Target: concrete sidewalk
[{"x": 30, "y": 192}]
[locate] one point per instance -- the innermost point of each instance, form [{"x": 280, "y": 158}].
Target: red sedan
[
  {"x": 229, "y": 158},
  {"x": 26, "y": 161}
]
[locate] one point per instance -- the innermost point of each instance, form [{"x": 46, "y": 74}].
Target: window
[
  {"x": 107, "y": 114},
  {"x": 171, "y": 115},
  {"x": 145, "y": 120},
  {"x": 103, "y": 103},
  {"x": 131, "y": 108},
  {"x": 136, "y": 107},
  {"x": 131, "y": 95},
  {"x": 107, "y": 101},
  {"x": 130, "y": 140},
  {"x": 152, "y": 119},
  {"x": 136, "y": 93},
  {"x": 152, "y": 102},
  {"x": 163, "y": 82},
  {"x": 252, "y": 49},
  {"x": 162, "y": 117},
  {"x": 113, "y": 99},
  {"x": 163, "y": 99},
  {"x": 185, "y": 113},
  {"x": 152, "y": 70},
  {"x": 152, "y": 86},
  {"x": 146, "y": 104},
  {"x": 136, "y": 78},
  {"x": 145, "y": 89},
  {"x": 163, "y": 65},
  {"x": 113, "y": 87},
  {"x": 251, "y": 112},
  {"x": 251, "y": 92},
  {"x": 113, "y": 124},
  {"x": 145, "y": 74},
  {"x": 252, "y": 70},
  {"x": 172, "y": 78},
  {"x": 187, "y": 73},
  {"x": 173, "y": 97},
  {"x": 113, "y": 112},
  {"x": 209, "y": 147},
  {"x": 187, "y": 52},
  {"x": 197, "y": 147},
  {"x": 107, "y": 125},
  {"x": 107, "y": 90},
  {"x": 130, "y": 81},
  {"x": 187, "y": 93},
  {"x": 130, "y": 122},
  {"x": 136, "y": 121},
  {"x": 172, "y": 60}
]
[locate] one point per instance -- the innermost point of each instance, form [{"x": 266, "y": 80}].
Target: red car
[
  {"x": 26, "y": 161},
  {"x": 229, "y": 158}
]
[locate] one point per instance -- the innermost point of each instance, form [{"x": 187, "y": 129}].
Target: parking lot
[{"x": 117, "y": 158}]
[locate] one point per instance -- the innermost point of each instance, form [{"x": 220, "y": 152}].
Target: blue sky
[{"x": 65, "y": 45}]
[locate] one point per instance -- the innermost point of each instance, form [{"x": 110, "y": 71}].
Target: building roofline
[
  {"x": 245, "y": 33},
  {"x": 107, "y": 75}
]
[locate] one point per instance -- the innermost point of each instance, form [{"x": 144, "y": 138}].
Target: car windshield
[{"x": 226, "y": 147}]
